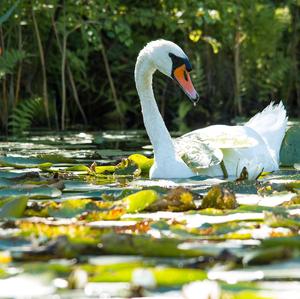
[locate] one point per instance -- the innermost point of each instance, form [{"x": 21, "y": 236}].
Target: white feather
[{"x": 271, "y": 125}]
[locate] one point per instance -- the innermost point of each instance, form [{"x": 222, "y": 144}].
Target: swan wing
[
  {"x": 222, "y": 137},
  {"x": 197, "y": 153}
]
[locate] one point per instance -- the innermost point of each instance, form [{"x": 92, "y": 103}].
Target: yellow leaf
[
  {"x": 142, "y": 162},
  {"x": 213, "y": 42},
  {"x": 186, "y": 198},
  {"x": 140, "y": 200},
  {"x": 5, "y": 257},
  {"x": 105, "y": 169},
  {"x": 195, "y": 35}
]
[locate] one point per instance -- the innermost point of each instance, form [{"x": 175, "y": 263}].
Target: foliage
[
  {"x": 80, "y": 58},
  {"x": 23, "y": 115},
  {"x": 219, "y": 198},
  {"x": 9, "y": 60}
]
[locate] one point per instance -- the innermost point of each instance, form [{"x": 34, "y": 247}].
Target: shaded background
[{"x": 69, "y": 64}]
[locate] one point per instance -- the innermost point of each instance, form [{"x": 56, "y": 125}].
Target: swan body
[{"x": 254, "y": 145}]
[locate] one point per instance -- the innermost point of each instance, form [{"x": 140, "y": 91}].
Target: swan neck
[{"x": 156, "y": 129}]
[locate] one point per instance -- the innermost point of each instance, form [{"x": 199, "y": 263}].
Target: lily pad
[
  {"x": 37, "y": 193},
  {"x": 13, "y": 207},
  {"x": 139, "y": 201},
  {"x": 290, "y": 148},
  {"x": 109, "y": 169},
  {"x": 69, "y": 208},
  {"x": 20, "y": 162},
  {"x": 79, "y": 168},
  {"x": 219, "y": 198},
  {"x": 142, "y": 162}
]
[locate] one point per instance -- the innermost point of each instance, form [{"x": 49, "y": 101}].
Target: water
[{"x": 76, "y": 238}]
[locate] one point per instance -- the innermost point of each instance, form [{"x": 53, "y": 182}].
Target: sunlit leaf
[
  {"x": 219, "y": 198},
  {"x": 213, "y": 42},
  {"x": 80, "y": 168},
  {"x": 105, "y": 169},
  {"x": 142, "y": 162},
  {"x": 69, "y": 208},
  {"x": 139, "y": 201},
  {"x": 195, "y": 35}
]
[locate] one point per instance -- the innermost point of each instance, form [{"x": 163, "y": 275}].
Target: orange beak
[{"x": 182, "y": 76}]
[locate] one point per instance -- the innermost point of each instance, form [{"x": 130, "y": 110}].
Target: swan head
[{"x": 171, "y": 60}]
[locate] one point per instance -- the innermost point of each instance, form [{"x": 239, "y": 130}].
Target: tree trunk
[
  {"x": 19, "y": 73},
  {"x": 43, "y": 64},
  {"x": 111, "y": 83},
  {"x": 237, "y": 67},
  {"x": 4, "y": 112}
]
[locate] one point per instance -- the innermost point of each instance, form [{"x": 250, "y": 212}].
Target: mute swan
[{"x": 215, "y": 150}]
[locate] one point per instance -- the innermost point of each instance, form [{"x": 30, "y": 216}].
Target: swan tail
[{"x": 271, "y": 125}]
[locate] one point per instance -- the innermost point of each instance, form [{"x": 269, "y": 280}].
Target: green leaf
[
  {"x": 13, "y": 207},
  {"x": 81, "y": 168},
  {"x": 38, "y": 193},
  {"x": 139, "y": 201},
  {"x": 20, "y": 162},
  {"x": 105, "y": 169},
  {"x": 174, "y": 276},
  {"x": 290, "y": 149},
  {"x": 5, "y": 17},
  {"x": 145, "y": 245},
  {"x": 55, "y": 158},
  {"x": 69, "y": 208}
]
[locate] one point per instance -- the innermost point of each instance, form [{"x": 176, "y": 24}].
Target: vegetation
[
  {"x": 70, "y": 223},
  {"x": 79, "y": 59}
]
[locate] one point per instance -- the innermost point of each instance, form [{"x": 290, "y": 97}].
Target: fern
[
  {"x": 9, "y": 60},
  {"x": 183, "y": 109},
  {"x": 22, "y": 116},
  {"x": 198, "y": 75}
]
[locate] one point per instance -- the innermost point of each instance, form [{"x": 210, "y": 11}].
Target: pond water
[{"x": 71, "y": 229}]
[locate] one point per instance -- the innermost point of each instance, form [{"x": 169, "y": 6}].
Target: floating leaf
[
  {"x": 5, "y": 183},
  {"x": 109, "y": 169},
  {"x": 290, "y": 148},
  {"x": 20, "y": 162},
  {"x": 142, "y": 162},
  {"x": 13, "y": 207},
  {"x": 38, "y": 193},
  {"x": 69, "y": 208},
  {"x": 80, "y": 168},
  {"x": 55, "y": 158},
  {"x": 127, "y": 167},
  {"x": 145, "y": 245},
  {"x": 219, "y": 198},
  {"x": 140, "y": 201},
  {"x": 177, "y": 199}
]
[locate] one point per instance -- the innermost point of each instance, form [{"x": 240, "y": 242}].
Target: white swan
[{"x": 215, "y": 150}]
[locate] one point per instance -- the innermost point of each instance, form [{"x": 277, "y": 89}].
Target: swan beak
[{"x": 182, "y": 76}]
